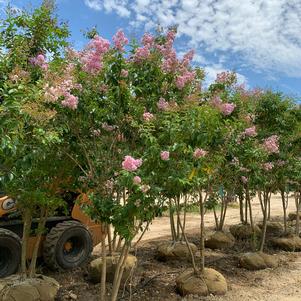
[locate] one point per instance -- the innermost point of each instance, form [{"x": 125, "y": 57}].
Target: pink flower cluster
[
  {"x": 268, "y": 166},
  {"x": 271, "y": 144},
  {"x": 147, "y": 116},
  {"x": 62, "y": 89},
  {"x": 227, "y": 108},
  {"x": 170, "y": 61},
  {"x": 183, "y": 79},
  {"x": 91, "y": 58},
  {"x": 199, "y": 153},
  {"x": 188, "y": 58},
  {"x": 250, "y": 132},
  {"x": 226, "y": 77},
  {"x": 39, "y": 61},
  {"x": 164, "y": 155},
  {"x": 141, "y": 54},
  {"x": 148, "y": 40},
  {"x": 131, "y": 164},
  {"x": 120, "y": 40},
  {"x": 70, "y": 101},
  {"x": 136, "y": 180},
  {"x": 162, "y": 104}
]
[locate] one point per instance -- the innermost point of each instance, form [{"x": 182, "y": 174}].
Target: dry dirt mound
[
  {"x": 244, "y": 231},
  {"x": 210, "y": 282},
  {"x": 95, "y": 267},
  {"x": 41, "y": 288},
  {"x": 174, "y": 250},
  {"x": 290, "y": 243},
  {"x": 220, "y": 240},
  {"x": 258, "y": 261}
]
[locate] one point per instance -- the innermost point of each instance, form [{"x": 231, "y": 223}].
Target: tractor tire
[
  {"x": 10, "y": 252},
  {"x": 68, "y": 245}
]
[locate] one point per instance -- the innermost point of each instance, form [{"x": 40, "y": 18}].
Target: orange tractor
[{"x": 67, "y": 244}]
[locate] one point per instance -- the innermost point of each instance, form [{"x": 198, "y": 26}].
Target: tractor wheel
[
  {"x": 10, "y": 252},
  {"x": 68, "y": 245}
]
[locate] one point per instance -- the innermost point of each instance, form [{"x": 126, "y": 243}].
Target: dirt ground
[{"x": 154, "y": 280}]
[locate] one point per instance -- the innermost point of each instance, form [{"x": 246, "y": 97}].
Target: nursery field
[
  {"x": 155, "y": 280},
  {"x": 125, "y": 175}
]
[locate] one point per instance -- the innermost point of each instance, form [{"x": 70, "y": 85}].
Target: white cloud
[
  {"x": 262, "y": 34},
  {"x": 118, "y": 6}
]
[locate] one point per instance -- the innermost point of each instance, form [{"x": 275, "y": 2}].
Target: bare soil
[{"x": 154, "y": 280}]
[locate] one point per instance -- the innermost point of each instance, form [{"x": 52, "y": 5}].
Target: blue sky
[{"x": 259, "y": 39}]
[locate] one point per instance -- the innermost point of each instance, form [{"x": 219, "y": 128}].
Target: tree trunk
[
  {"x": 172, "y": 222},
  {"x": 41, "y": 228},
  {"x": 119, "y": 271},
  {"x": 104, "y": 263},
  {"x": 246, "y": 211},
  {"x": 241, "y": 208},
  {"x": 25, "y": 237},
  {"x": 265, "y": 218},
  {"x": 189, "y": 248},
  {"x": 248, "y": 200},
  {"x": 297, "y": 201},
  {"x": 284, "y": 206},
  {"x": 202, "y": 226},
  {"x": 185, "y": 211}
]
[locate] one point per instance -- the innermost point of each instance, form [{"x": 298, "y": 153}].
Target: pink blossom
[
  {"x": 39, "y": 61},
  {"x": 188, "y": 58},
  {"x": 162, "y": 104},
  {"x": 216, "y": 102},
  {"x": 147, "y": 116},
  {"x": 271, "y": 144},
  {"x": 120, "y": 40},
  {"x": 227, "y": 108},
  {"x": 164, "y": 155},
  {"x": 148, "y": 40},
  {"x": 226, "y": 78},
  {"x": 124, "y": 73},
  {"x": 198, "y": 153},
  {"x": 244, "y": 179},
  {"x": 91, "y": 62},
  {"x": 99, "y": 45},
  {"x": 131, "y": 164},
  {"x": 170, "y": 60},
  {"x": 170, "y": 37},
  {"x": 91, "y": 58},
  {"x": 141, "y": 54},
  {"x": 268, "y": 166},
  {"x": 183, "y": 79},
  {"x": 137, "y": 180},
  {"x": 70, "y": 101},
  {"x": 250, "y": 132}
]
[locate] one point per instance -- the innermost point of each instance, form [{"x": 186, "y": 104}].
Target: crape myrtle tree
[
  {"x": 126, "y": 106},
  {"x": 28, "y": 138},
  {"x": 276, "y": 124}
]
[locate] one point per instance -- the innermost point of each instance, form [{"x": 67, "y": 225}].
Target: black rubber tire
[
  {"x": 10, "y": 252},
  {"x": 56, "y": 257}
]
